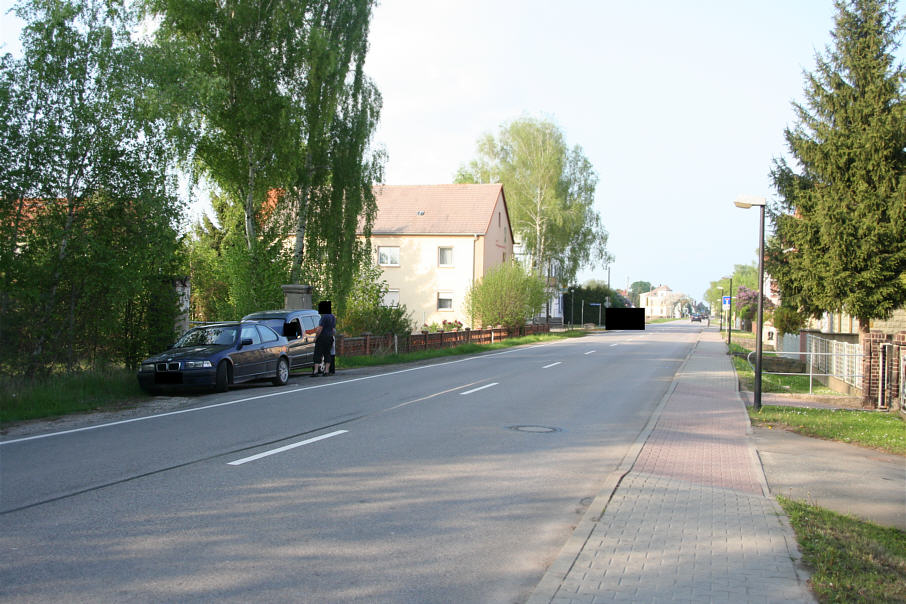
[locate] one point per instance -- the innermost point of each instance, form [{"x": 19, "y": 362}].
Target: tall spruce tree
[{"x": 840, "y": 242}]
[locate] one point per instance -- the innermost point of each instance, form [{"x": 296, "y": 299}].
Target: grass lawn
[
  {"x": 851, "y": 560},
  {"x": 68, "y": 393},
  {"x": 883, "y": 431},
  {"x": 791, "y": 384}
]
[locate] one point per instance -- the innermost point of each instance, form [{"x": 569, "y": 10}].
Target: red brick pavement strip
[
  {"x": 690, "y": 522},
  {"x": 701, "y": 439}
]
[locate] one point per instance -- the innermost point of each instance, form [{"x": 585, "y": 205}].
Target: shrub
[{"x": 507, "y": 295}]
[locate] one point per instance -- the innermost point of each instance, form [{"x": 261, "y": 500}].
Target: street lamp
[
  {"x": 746, "y": 202},
  {"x": 721, "y": 329},
  {"x": 730, "y": 315}
]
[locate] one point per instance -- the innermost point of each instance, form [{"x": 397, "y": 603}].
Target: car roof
[
  {"x": 229, "y": 324},
  {"x": 279, "y": 314}
]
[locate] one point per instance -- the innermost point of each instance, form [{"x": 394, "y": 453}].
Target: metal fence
[
  {"x": 841, "y": 360},
  {"x": 825, "y": 358},
  {"x": 902, "y": 383}
]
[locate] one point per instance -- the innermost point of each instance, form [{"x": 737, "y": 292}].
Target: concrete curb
[
  {"x": 803, "y": 575},
  {"x": 550, "y": 583}
]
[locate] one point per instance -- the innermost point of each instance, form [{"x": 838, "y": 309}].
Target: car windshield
[{"x": 206, "y": 336}]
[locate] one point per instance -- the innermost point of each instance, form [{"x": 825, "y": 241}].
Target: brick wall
[
  {"x": 873, "y": 357},
  {"x": 899, "y": 349}
]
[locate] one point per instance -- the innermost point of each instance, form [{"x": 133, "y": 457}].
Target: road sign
[{"x": 726, "y": 301}]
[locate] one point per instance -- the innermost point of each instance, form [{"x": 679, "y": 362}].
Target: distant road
[{"x": 456, "y": 481}]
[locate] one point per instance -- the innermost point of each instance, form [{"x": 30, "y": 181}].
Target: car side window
[
  {"x": 292, "y": 330},
  {"x": 250, "y": 331},
  {"x": 309, "y": 323},
  {"x": 267, "y": 334}
]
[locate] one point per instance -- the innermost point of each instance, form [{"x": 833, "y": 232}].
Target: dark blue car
[
  {"x": 298, "y": 327},
  {"x": 217, "y": 356}
]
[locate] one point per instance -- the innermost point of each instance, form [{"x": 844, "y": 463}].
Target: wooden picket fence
[{"x": 367, "y": 344}]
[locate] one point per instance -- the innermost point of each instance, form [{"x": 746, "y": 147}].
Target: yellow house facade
[{"x": 432, "y": 242}]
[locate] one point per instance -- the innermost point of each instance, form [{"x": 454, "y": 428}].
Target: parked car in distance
[
  {"x": 298, "y": 327},
  {"x": 696, "y": 317},
  {"x": 217, "y": 356}
]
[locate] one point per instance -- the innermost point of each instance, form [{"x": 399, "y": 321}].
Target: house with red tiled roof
[{"x": 432, "y": 242}]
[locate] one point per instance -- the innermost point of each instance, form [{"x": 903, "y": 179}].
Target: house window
[
  {"x": 391, "y": 298},
  {"x": 388, "y": 255},
  {"x": 445, "y": 301},
  {"x": 445, "y": 256}
]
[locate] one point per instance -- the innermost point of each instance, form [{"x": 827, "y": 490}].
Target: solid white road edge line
[
  {"x": 281, "y": 393},
  {"x": 479, "y": 388},
  {"x": 239, "y": 462}
]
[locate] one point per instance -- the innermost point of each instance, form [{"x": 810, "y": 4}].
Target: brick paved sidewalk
[{"x": 691, "y": 521}]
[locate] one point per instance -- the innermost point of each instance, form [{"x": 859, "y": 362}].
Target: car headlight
[
  {"x": 198, "y": 364},
  {"x": 147, "y": 368}
]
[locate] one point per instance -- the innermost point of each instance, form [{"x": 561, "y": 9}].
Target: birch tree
[
  {"x": 550, "y": 191},
  {"x": 88, "y": 215}
]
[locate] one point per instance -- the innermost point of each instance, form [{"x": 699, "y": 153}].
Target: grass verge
[
  {"x": 423, "y": 355},
  {"x": 851, "y": 560},
  {"x": 790, "y": 384},
  {"x": 118, "y": 388},
  {"x": 68, "y": 393},
  {"x": 883, "y": 431}
]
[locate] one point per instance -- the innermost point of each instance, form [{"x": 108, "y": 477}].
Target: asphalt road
[{"x": 455, "y": 481}]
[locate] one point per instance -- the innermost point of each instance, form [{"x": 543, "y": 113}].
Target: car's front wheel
[
  {"x": 223, "y": 377},
  {"x": 282, "y": 375}
]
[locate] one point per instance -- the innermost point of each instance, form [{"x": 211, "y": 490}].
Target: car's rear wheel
[
  {"x": 282, "y": 375},
  {"x": 223, "y": 377}
]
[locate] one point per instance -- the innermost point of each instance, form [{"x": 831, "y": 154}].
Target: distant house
[
  {"x": 432, "y": 242},
  {"x": 660, "y": 303}
]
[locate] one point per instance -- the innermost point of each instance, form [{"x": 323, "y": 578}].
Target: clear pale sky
[{"x": 679, "y": 106}]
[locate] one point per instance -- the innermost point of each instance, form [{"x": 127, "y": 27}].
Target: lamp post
[
  {"x": 720, "y": 330},
  {"x": 730, "y": 317},
  {"x": 745, "y": 202},
  {"x": 572, "y": 305}
]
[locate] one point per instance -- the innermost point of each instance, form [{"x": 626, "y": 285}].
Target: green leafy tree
[
  {"x": 89, "y": 241},
  {"x": 507, "y": 295},
  {"x": 273, "y": 106},
  {"x": 550, "y": 192},
  {"x": 637, "y": 288},
  {"x": 591, "y": 292},
  {"x": 840, "y": 225},
  {"x": 365, "y": 310},
  {"x": 744, "y": 275}
]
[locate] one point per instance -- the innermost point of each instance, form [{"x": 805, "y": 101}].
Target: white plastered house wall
[
  {"x": 659, "y": 302},
  {"x": 432, "y": 242}
]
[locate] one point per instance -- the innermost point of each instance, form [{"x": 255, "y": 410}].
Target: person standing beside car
[{"x": 324, "y": 333}]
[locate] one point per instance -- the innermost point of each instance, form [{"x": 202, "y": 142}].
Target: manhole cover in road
[{"x": 535, "y": 429}]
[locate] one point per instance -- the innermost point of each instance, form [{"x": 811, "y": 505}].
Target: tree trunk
[
  {"x": 250, "y": 203},
  {"x": 55, "y": 282},
  {"x": 299, "y": 245}
]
